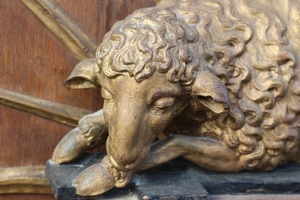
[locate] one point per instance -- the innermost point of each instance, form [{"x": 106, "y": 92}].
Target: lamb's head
[{"x": 150, "y": 71}]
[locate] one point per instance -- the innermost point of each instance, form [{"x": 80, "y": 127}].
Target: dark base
[{"x": 178, "y": 179}]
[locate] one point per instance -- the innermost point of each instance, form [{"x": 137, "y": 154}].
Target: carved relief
[{"x": 218, "y": 80}]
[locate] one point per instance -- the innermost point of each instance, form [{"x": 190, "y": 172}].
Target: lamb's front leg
[
  {"x": 91, "y": 132},
  {"x": 206, "y": 152}
]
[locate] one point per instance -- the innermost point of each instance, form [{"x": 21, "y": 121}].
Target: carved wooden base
[
  {"x": 30, "y": 179},
  {"x": 180, "y": 179}
]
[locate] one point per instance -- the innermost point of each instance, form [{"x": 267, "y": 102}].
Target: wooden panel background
[{"x": 34, "y": 62}]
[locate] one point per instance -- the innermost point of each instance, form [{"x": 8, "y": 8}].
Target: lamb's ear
[
  {"x": 84, "y": 75},
  {"x": 209, "y": 91}
]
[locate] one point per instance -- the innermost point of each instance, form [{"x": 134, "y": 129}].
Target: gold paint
[
  {"x": 24, "y": 180},
  {"x": 218, "y": 78}
]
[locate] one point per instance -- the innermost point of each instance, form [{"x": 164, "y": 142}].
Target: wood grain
[
  {"x": 102, "y": 13},
  {"x": 54, "y": 111},
  {"x": 65, "y": 29}
]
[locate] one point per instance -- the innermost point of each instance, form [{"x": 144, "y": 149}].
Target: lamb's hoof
[
  {"x": 70, "y": 147},
  {"x": 94, "y": 180}
]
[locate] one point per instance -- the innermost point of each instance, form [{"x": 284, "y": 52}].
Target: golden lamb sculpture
[{"x": 218, "y": 80}]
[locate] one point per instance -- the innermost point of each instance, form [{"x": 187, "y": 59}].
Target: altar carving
[{"x": 216, "y": 81}]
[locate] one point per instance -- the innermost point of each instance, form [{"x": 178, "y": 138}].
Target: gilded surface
[{"x": 218, "y": 80}]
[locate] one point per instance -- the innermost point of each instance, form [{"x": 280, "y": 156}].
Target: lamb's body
[
  {"x": 223, "y": 76},
  {"x": 253, "y": 48}
]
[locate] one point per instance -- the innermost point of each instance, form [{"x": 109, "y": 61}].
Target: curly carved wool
[
  {"x": 246, "y": 47},
  {"x": 225, "y": 82}
]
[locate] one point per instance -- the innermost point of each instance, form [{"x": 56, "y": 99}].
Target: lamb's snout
[{"x": 125, "y": 159}]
